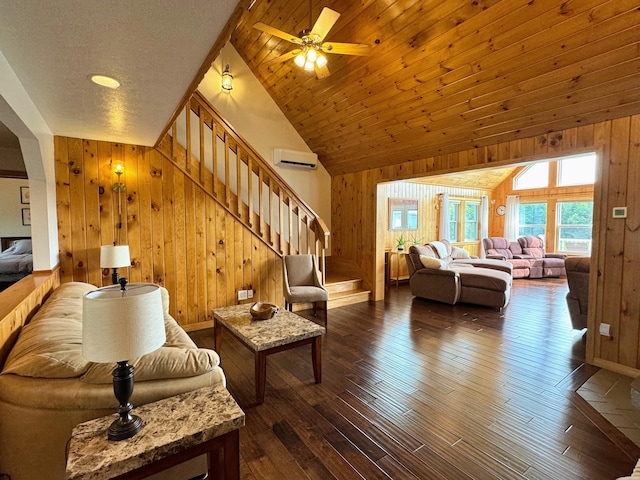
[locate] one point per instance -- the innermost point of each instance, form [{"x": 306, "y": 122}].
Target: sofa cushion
[
  {"x": 50, "y": 346},
  {"x": 440, "y": 248},
  {"x": 430, "y": 262},
  {"x": 166, "y": 362},
  {"x": 497, "y": 246},
  {"x": 459, "y": 253},
  {"x": 422, "y": 250},
  {"x": 532, "y": 246}
]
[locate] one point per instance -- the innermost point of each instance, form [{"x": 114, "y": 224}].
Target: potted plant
[
  {"x": 415, "y": 240},
  {"x": 400, "y": 243}
]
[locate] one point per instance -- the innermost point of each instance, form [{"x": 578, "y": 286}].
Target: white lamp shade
[
  {"x": 114, "y": 256},
  {"x": 119, "y": 326}
]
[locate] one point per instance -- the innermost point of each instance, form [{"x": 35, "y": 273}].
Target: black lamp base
[
  {"x": 126, "y": 425},
  {"x": 115, "y": 277},
  {"x": 121, "y": 430}
]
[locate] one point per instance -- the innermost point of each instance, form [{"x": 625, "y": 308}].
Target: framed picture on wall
[
  {"x": 26, "y": 216},
  {"x": 25, "y": 198}
]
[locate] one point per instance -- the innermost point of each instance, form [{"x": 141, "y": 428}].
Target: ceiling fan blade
[
  {"x": 277, "y": 33},
  {"x": 346, "y": 48},
  {"x": 285, "y": 57},
  {"x": 322, "y": 72},
  {"x": 325, "y": 21}
]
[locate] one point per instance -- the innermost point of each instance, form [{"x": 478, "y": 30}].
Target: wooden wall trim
[{"x": 18, "y": 304}]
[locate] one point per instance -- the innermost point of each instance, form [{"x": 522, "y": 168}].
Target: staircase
[
  {"x": 207, "y": 149},
  {"x": 344, "y": 284}
]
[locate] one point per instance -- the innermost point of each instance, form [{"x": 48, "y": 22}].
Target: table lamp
[
  {"x": 114, "y": 256},
  {"x": 122, "y": 323}
]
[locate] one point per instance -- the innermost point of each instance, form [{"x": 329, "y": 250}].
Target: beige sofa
[
  {"x": 443, "y": 278},
  {"x": 47, "y": 387}
]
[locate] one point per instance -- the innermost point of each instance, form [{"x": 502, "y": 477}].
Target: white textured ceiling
[{"x": 153, "y": 47}]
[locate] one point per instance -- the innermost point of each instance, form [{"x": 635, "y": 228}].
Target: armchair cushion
[{"x": 301, "y": 280}]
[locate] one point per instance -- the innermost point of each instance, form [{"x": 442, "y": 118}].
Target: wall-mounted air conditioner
[{"x": 294, "y": 158}]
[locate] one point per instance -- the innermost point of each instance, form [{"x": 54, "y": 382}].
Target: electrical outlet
[
  {"x": 242, "y": 294},
  {"x": 249, "y": 293},
  {"x": 605, "y": 329}
]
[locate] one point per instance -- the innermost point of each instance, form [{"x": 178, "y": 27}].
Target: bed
[{"x": 16, "y": 259}]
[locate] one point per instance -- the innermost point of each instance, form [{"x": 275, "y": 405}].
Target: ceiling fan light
[
  {"x": 321, "y": 61},
  {"x": 300, "y": 60},
  {"x": 309, "y": 65},
  {"x": 312, "y": 54}
]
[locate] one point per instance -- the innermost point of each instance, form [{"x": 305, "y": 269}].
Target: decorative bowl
[{"x": 263, "y": 310}]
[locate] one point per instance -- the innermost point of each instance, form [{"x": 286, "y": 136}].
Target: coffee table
[{"x": 284, "y": 331}]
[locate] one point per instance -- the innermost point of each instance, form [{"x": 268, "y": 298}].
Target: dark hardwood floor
[{"x": 414, "y": 389}]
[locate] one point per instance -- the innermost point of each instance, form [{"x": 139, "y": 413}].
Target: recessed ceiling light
[{"x": 105, "y": 81}]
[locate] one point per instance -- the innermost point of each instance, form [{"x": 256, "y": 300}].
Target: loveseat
[
  {"x": 47, "y": 387},
  {"x": 452, "y": 280}
]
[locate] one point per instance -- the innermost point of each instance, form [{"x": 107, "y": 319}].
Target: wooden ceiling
[
  {"x": 448, "y": 75},
  {"x": 484, "y": 179}
]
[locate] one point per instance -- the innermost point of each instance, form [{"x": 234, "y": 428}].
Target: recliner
[
  {"x": 500, "y": 248},
  {"x": 578, "y": 295},
  {"x": 552, "y": 263}
]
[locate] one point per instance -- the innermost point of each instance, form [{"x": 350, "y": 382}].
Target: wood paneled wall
[
  {"x": 428, "y": 214},
  {"x": 615, "y": 269},
  {"x": 179, "y": 236}
]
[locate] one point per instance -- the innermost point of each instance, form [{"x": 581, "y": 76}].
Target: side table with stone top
[
  {"x": 283, "y": 331},
  {"x": 175, "y": 429}
]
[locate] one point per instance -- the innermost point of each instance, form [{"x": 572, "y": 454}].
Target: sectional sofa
[{"x": 440, "y": 272}]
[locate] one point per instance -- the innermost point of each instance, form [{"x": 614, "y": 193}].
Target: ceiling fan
[{"x": 311, "y": 45}]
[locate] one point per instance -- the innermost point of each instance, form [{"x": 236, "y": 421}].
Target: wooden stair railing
[{"x": 226, "y": 167}]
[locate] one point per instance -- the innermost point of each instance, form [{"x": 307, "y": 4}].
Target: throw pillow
[
  {"x": 436, "y": 263},
  {"x": 457, "y": 252}
]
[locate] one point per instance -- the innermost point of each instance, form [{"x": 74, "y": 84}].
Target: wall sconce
[
  {"x": 119, "y": 187},
  {"x": 227, "y": 79}
]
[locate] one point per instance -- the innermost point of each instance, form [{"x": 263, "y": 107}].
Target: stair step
[
  {"x": 344, "y": 285},
  {"x": 349, "y": 297},
  {"x": 339, "y": 299}
]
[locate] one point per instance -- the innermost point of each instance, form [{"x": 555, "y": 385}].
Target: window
[
  {"x": 464, "y": 221},
  {"x": 471, "y": 224},
  {"x": 578, "y": 170},
  {"x": 534, "y": 176},
  {"x": 533, "y": 219},
  {"x": 574, "y": 226},
  {"x": 454, "y": 209},
  {"x": 403, "y": 214}
]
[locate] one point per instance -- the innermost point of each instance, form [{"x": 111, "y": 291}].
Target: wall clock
[{"x": 501, "y": 209}]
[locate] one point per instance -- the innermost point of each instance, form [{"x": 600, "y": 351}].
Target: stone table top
[
  {"x": 169, "y": 426},
  {"x": 283, "y": 328}
]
